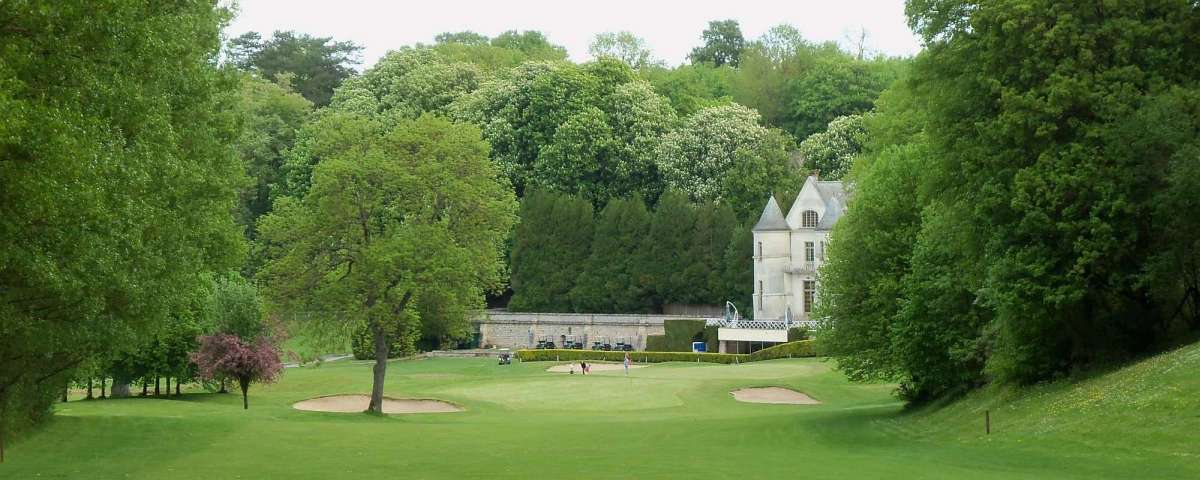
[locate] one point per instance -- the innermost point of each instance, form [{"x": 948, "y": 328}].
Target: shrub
[
  {"x": 795, "y": 334},
  {"x": 803, "y": 348},
  {"x": 636, "y": 357}
]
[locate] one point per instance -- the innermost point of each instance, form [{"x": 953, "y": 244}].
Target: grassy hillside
[
  {"x": 1149, "y": 408},
  {"x": 673, "y": 420}
]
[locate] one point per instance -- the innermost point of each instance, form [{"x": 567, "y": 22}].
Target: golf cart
[
  {"x": 572, "y": 342},
  {"x": 506, "y": 358},
  {"x": 545, "y": 344},
  {"x": 601, "y": 343},
  {"x": 623, "y": 345}
]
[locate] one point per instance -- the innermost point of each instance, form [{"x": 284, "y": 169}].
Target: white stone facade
[{"x": 789, "y": 250}]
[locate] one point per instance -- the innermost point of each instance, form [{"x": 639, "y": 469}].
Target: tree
[
  {"x": 832, "y": 152},
  {"x": 723, "y": 44},
  {"x": 108, "y": 212},
  {"x": 465, "y": 37},
  {"x": 394, "y": 216},
  {"x": 737, "y": 270},
  {"x": 226, "y": 356},
  {"x": 722, "y": 154},
  {"x": 623, "y": 46},
  {"x": 837, "y": 87},
  {"x": 715, "y": 224},
  {"x": 691, "y": 88},
  {"x": 549, "y": 246},
  {"x": 608, "y": 280},
  {"x": 406, "y": 83},
  {"x": 533, "y": 44},
  {"x": 587, "y": 130},
  {"x": 1009, "y": 220},
  {"x": 664, "y": 254},
  {"x": 271, "y": 115},
  {"x": 317, "y": 64}
]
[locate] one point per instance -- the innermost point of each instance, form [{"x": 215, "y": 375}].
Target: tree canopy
[
  {"x": 1008, "y": 222},
  {"x": 317, "y": 65},
  {"x": 117, "y": 178},
  {"x": 401, "y": 224}
]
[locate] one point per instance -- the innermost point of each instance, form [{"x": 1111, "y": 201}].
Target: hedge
[
  {"x": 680, "y": 335},
  {"x": 657, "y": 343},
  {"x": 803, "y": 348},
  {"x": 636, "y": 357}
]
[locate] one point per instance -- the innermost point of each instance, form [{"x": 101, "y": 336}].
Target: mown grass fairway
[{"x": 665, "y": 421}]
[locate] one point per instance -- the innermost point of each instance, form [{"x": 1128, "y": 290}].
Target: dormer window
[{"x": 808, "y": 219}]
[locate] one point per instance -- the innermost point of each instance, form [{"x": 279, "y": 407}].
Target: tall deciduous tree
[
  {"x": 832, "y": 152},
  {"x": 271, "y": 115},
  {"x": 722, "y": 154},
  {"x": 394, "y": 218},
  {"x": 117, "y": 179},
  {"x": 623, "y": 46},
  {"x": 317, "y": 64},
  {"x": 588, "y": 130},
  {"x": 723, "y": 44}
]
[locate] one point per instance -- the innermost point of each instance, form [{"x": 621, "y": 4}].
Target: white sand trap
[
  {"x": 359, "y": 403},
  {"x": 595, "y": 367},
  {"x": 772, "y": 395}
]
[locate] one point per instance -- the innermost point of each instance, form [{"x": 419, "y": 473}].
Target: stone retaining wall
[{"x": 522, "y": 330}]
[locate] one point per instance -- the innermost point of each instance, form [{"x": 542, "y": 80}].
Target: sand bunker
[
  {"x": 772, "y": 395},
  {"x": 595, "y": 367},
  {"x": 359, "y": 403}
]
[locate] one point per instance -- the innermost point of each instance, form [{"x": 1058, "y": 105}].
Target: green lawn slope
[{"x": 671, "y": 420}]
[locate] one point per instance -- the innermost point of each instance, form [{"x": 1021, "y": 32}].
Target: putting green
[{"x": 674, "y": 420}]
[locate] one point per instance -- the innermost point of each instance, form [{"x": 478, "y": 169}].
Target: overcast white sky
[{"x": 671, "y": 28}]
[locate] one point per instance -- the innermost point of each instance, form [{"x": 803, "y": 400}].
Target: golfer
[{"x": 627, "y": 364}]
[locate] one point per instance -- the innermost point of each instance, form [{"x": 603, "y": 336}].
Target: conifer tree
[
  {"x": 664, "y": 254},
  {"x": 608, "y": 283},
  {"x": 550, "y": 246}
]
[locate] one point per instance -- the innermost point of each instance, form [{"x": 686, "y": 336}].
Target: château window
[
  {"x": 810, "y": 294},
  {"x": 808, "y": 252},
  {"x": 808, "y": 219},
  {"x": 760, "y": 251}
]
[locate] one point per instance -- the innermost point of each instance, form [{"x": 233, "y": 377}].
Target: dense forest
[{"x": 1026, "y": 204}]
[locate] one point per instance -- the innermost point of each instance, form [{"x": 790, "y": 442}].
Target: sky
[{"x": 670, "y": 28}]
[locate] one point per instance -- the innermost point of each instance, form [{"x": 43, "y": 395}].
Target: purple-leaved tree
[{"x": 227, "y": 356}]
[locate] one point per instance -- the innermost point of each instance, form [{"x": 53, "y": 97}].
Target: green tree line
[
  {"x": 1026, "y": 205},
  {"x": 627, "y": 258}
]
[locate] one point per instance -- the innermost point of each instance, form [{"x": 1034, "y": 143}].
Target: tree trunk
[
  {"x": 168, "y": 386},
  {"x": 103, "y": 381},
  {"x": 66, "y": 390},
  {"x": 177, "y": 386},
  {"x": 157, "y": 385},
  {"x": 89, "y": 395},
  {"x": 223, "y": 389},
  {"x": 244, "y": 382},
  {"x": 145, "y": 386},
  {"x": 381, "y": 356}
]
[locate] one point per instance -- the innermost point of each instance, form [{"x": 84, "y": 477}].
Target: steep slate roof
[
  {"x": 835, "y": 202},
  {"x": 771, "y": 219}
]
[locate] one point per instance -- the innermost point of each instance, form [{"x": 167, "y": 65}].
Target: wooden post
[{"x": 987, "y": 422}]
